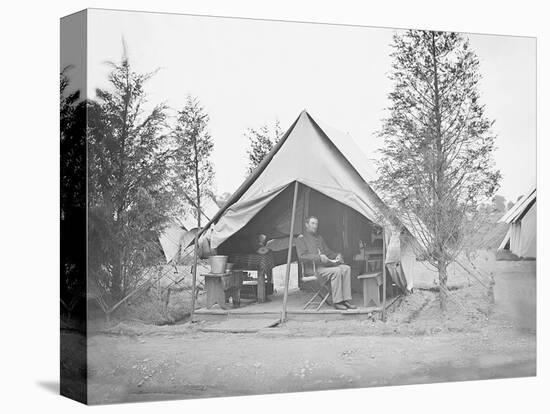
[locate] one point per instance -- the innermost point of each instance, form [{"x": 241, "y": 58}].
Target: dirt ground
[{"x": 476, "y": 339}]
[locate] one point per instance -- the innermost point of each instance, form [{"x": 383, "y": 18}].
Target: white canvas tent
[
  {"x": 170, "y": 240},
  {"x": 310, "y": 159},
  {"x": 521, "y": 238},
  {"x": 179, "y": 233}
]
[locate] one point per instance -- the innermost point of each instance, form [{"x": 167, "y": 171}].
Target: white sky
[{"x": 247, "y": 73}]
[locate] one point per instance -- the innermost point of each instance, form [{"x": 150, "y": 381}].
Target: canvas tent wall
[
  {"x": 319, "y": 158},
  {"x": 170, "y": 240},
  {"x": 521, "y": 238}
]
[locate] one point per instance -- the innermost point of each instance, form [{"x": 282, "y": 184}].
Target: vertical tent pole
[
  {"x": 289, "y": 255},
  {"x": 383, "y": 274},
  {"x": 195, "y": 260},
  {"x": 305, "y": 213}
]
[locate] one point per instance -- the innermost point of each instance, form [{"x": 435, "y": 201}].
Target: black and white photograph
[
  {"x": 287, "y": 206},
  {"x": 258, "y": 206}
]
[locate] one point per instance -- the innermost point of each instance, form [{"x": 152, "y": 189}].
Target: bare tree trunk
[
  {"x": 442, "y": 270},
  {"x": 439, "y": 183},
  {"x": 167, "y": 301},
  {"x": 197, "y": 183},
  {"x": 117, "y": 286},
  {"x": 116, "y": 281}
]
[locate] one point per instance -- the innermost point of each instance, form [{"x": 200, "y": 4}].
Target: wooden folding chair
[{"x": 320, "y": 289}]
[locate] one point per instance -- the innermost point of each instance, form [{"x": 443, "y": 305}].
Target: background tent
[
  {"x": 521, "y": 238},
  {"x": 180, "y": 232},
  {"x": 333, "y": 174},
  {"x": 170, "y": 240}
]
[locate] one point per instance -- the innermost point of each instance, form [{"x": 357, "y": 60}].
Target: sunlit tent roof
[
  {"x": 321, "y": 159},
  {"x": 518, "y": 209},
  {"x": 180, "y": 232},
  {"x": 521, "y": 238}
]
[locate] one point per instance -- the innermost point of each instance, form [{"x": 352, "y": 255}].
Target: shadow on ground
[{"x": 51, "y": 386}]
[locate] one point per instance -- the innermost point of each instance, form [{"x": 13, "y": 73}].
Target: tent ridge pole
[{"x": 289, "y": 254}]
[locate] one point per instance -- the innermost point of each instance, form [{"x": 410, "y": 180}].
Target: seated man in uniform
[{"x": 330, "y": 266}]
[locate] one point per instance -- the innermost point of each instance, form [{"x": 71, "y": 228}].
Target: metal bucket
[{"x": 217, "y": 264}]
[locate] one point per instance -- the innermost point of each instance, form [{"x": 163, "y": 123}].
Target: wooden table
[
  {"x": 260, "y": 263},
  {"x": 221, "y": 286},
  {"x": 373, "y": 277}
]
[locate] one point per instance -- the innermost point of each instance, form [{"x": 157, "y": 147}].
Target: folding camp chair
[{"x": 320, "y": 288}]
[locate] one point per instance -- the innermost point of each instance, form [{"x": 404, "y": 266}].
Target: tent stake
[
  {"x": 195, "y": 260},
  {"x": 289, "y": 254}
]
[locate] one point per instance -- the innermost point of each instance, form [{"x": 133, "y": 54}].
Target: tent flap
[{"x": 239, "y": 214}]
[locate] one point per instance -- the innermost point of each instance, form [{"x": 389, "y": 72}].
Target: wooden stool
[
  {"x": 371, "y": 288},
  {"x": 219, "y": 287}
]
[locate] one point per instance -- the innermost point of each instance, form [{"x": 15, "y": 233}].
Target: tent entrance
[{"x": 344, "y": 229}]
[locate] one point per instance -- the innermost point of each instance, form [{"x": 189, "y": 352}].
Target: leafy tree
[
  {"x": 262, "y": 140},
  {"x": 72, "y": 114},
  {"x": 129, "y": 195},
  {"x": 437, "y": 162},
  {"x": 194, "y": 148},
  {"x": 73, "y": 144}
]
